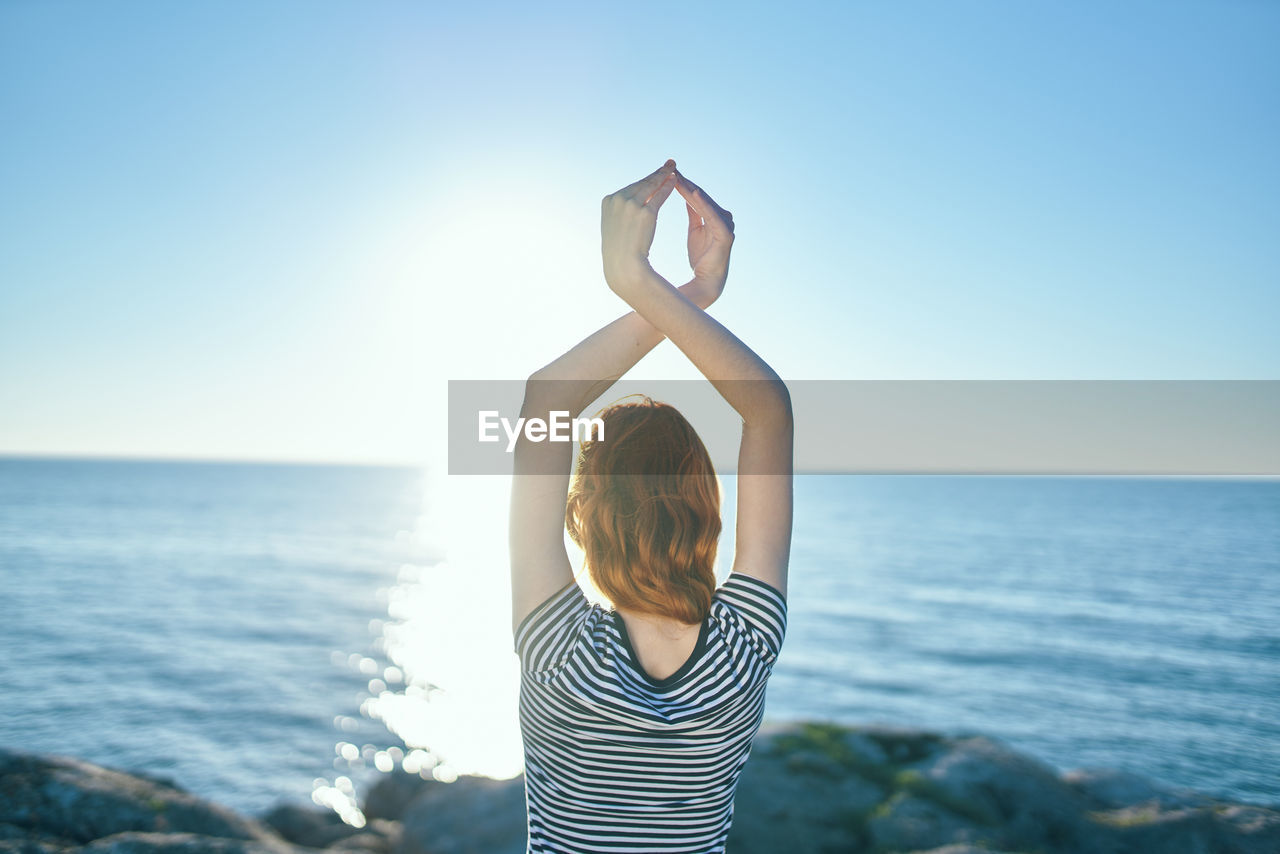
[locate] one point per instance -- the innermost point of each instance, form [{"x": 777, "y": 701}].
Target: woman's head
[{"x": 645, "y": 508}]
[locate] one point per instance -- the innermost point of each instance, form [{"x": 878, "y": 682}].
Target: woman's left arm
[{"x": 539, "y": 563}]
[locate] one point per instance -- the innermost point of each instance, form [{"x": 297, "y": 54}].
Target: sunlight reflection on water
[{"x": 447, "y": 684}]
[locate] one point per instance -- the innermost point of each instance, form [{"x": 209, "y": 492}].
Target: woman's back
[
  {"x": 660, "y": 647},
  {"x": 618, "y": 761}
]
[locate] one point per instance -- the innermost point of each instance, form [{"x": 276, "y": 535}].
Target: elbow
[
  {"x": 782, "y": 403},
  {"x": 772, "y": 406},
  {"x": 536, "y": 393},
  {"x": 544, "y": 393}
]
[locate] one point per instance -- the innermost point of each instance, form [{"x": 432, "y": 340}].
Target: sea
[{"x": 282, "y": 633}]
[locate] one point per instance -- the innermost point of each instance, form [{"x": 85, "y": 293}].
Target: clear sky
[{"x": 274, "y": 230}]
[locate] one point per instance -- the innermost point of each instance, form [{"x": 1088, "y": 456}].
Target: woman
[{"x": 637, "y": 720}]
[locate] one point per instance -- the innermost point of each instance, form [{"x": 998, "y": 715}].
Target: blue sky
[{"x": 275, "y": 230}]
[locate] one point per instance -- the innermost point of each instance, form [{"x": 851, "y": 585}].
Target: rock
[
  {"x": 962, "y": 849},
  {"x": 1025, "y": 800},
  {"x": 793, "y": 796},
  {"x": 836, "y": 750},
  {"x": 379, "y": 836},
  {"x": 1146, "y": 828},
  {"x": 902, "y": 745},
  {"x": 866, "y": 749},
  {"x": 1108, "y": 788},
  {"x": 860, "y": 742},
  {"x": 309, "y": 826},
  {"x": 809, "y": 788},
  {"x": 906, "y": 822},
  {"x": 393, "y": 792},
  {"x": 19, "y": 839},
  {"x": 159, "y": 779},
  {"x": 1243, "y": 829},
  {"x": 136, "y": 842},
  {"x": 79, "y": 801},
  {"x": 1216, "y": 829},
  {"x": 34, "y": 846},
  {"x": 472, "y": 815}
]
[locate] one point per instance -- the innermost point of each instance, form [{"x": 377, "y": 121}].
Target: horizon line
[
  {"x": 279, "y": 461},
  {"x": 80, "y": 456}
]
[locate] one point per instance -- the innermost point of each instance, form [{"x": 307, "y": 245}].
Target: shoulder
[
  {"x": 748, "y": 605},
  {"x": 752, "y": 594},
  {"x": 546, "y": 632}
]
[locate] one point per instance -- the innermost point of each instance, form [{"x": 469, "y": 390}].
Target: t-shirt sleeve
[
  {"x": 757, "y": 610},
  {"x": 546, "y": 635}
]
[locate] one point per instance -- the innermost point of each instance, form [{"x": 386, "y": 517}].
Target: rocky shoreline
[{"x": 810, "y": 788}]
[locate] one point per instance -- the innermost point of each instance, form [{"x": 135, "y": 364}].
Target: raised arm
[
  {"x": 745, "y": 381},
  {"x": 539, "y": 563}
]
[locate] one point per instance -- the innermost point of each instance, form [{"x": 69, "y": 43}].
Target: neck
[{"x": 666, "y": 625}]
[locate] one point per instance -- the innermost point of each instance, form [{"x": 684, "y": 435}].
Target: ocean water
[{"x": 268, "y": 633}]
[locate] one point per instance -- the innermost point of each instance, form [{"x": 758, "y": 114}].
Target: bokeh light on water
[{"x": 442, "y": 689}]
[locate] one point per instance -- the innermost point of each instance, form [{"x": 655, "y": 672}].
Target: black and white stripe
[{"x": 616, "y": 761}]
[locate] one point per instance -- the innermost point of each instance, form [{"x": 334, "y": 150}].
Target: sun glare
[{"x": 449, "y": 635}]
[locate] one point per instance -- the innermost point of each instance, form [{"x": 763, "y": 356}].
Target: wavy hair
[{"x": 644, "y": 507}]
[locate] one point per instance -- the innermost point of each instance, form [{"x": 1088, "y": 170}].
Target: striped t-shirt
[{"x": 617, "y": 761}]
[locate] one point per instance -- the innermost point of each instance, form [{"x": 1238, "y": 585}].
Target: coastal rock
[
  {"x": 315, "y": 827},
  {"x": 1149, "y": 828},
  {"x": 19, "y": 840},
  {"x": 1217, "y": 829},
  {"x": 802, "y": 795},
  {"x": 865, "y": 746},
  {"x": 967, "y": 794},
  {"x": 379, "y": 836},
  {"x": 867, "y": 750},
  {"x": 309, "y": 826},
  {"x": 472, "y": 815},
  {"x": 962, "y": 849},
  {"x": 992, "y": 785},
  {"x": 138, "y": 842},
  {"x": 34, "y": 846},
  {"x": 393, "y": 792},
  {"x": 1245, "y": 829},
  {"x": 906, "y": 823},
  {"x": 78, "y": 801},
  {"x": 809, "y": 788},
  {"x": 1109, "y": 788},
  {"x": 899, "y": 745},
  {"x": 363, "y": 843}
]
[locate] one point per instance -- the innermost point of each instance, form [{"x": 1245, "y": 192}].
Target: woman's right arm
[{"x": 746, "y": 381}]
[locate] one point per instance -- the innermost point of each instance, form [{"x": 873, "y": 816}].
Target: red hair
[{"x": 645, "y": 508}]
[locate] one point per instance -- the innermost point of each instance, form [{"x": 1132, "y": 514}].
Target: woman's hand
[
  {"x": 628, "y": 220},
  {"x": 710, "y": 240}
]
